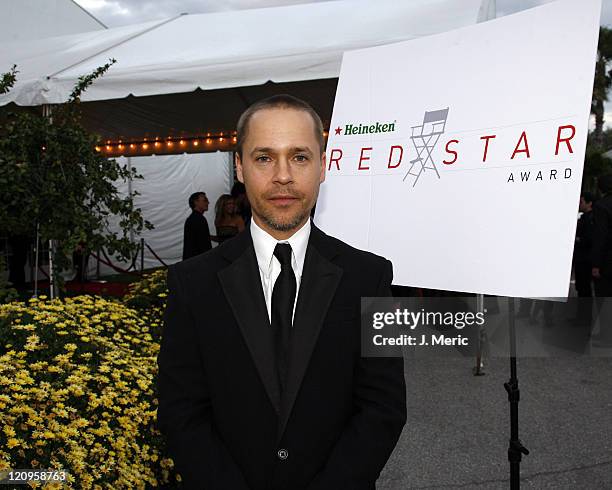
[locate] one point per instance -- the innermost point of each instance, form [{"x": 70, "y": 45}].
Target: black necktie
[{"x": 283, "y": 297}]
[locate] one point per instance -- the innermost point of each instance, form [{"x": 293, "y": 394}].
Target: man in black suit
[
  {"x": 602, "y": 259},
  {"x": 582, "y": 260},
  {"x": 196, "y": 237},
  {"x": 261, "y": 382}
]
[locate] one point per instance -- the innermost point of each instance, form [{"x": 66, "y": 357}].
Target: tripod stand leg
[
  {"x": 478, "y": 369},
  {"x": 515, "y": 447}
]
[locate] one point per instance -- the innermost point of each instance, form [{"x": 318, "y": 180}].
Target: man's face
[
  {"x": 201, "y": 203},
  {"x": 584, "y": 205},
  {"x": 282, "y": 167}
]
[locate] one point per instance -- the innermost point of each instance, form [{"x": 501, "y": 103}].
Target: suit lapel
[
  {"x": 320, "y": 278},
  {"x": 241, "y": 285}
]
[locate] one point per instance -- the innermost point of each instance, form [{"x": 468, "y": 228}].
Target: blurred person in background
[
  {"x": 196, "y": 238},
  {"x": 242, "y": 201},
  {"x": 227, "y": 220},
  {"x": 582, "y": 260},
  {"x": 601, "y": 257}
]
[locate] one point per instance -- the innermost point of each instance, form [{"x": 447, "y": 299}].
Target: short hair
[
  {"x": 237, "y": 189},
  {"x": 282, "y": 101},
  {"x": 194, "y": 197},
  {"x": 604, "y": 182},
  {"x": 588, "y": 196}
]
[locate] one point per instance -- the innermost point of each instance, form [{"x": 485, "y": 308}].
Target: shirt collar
[{"x": 265, "y": 243}]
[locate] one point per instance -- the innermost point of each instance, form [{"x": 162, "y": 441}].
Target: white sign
[{"x": 459, "y": 156}]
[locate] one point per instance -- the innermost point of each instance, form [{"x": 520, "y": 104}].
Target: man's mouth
[{"x": 282, "y": 199}]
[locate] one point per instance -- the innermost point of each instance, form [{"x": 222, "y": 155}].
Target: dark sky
[{"x": 114, "y": 13}]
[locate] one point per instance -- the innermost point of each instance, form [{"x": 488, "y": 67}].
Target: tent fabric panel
[{"x": 226, "y": 49}]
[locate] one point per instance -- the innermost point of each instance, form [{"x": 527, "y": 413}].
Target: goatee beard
[{"x": 287, "y": 226}]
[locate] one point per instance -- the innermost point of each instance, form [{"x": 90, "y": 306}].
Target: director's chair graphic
[{"x": 424, "y": 138}]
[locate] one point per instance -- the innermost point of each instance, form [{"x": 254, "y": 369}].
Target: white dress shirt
[{"x": 270, "y": 267}]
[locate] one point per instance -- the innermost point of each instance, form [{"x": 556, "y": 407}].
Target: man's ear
[
  {"x": 323, "y": 168},
  {"x": 239, "y": 168}
]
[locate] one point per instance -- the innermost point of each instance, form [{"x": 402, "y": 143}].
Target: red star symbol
[{"x": 338, "y": 130}]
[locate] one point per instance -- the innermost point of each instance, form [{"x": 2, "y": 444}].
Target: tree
[
  {"x": 602, "y": 83},
  {"x": 51, "y": 176},
  {"x": 595, "y": 164},
  {"x": 8, "y": 80}
]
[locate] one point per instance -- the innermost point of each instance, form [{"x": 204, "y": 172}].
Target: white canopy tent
[
  {"x": 226, "y": 49},
  {"x": 192, "y": 74}
]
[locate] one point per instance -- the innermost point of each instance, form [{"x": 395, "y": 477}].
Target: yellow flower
[
  {"x": 12, "y": 442},
  {"x": 9, "y": 431}
]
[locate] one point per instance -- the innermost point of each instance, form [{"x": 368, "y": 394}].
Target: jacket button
[{"x": 282, "y": 454}]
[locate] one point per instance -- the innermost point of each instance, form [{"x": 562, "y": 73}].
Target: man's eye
[
  {"x": 262, "y": 158},
  {"x": 301, "y": 158}
]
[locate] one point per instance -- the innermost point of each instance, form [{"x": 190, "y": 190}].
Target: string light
[{"x": 221, "y": 140}]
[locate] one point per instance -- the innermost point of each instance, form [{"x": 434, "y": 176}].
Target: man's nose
[{"x": 283, "y": 173}]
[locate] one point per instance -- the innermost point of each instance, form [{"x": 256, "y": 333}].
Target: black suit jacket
[
  {"x": 196, "y": 236},
  {"x": 219, "y": 406},
  {"x": 584, "y": 239}
]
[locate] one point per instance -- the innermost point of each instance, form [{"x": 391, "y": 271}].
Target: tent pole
[
  {"x": 46, "y": 108},
  {"x": 129, "y": 166},
  {"x": 36, "y": 261}
]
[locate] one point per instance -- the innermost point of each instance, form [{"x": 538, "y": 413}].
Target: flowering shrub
[
  {"x": 149, "y": 296},
  {"x": 77, "y": 380}
]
